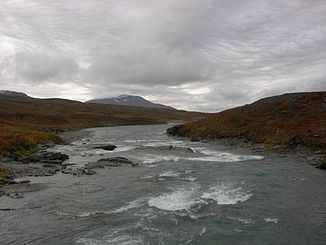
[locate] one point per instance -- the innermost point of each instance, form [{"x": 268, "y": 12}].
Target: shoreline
[
  {"x": 20, "y": 170},
  {"x": 13, "y": 171},
  {"x": 314, "y": 157},
  {"x": 17, "y": 183}
]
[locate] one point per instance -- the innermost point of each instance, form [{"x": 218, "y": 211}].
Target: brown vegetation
[
  {"x": 4, "y": 176},
  {"x": 26, "y": 122},
  {"x": 285, "y": 120}
]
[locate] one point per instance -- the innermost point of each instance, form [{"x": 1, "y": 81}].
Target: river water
[{"x": 216, "y": 194}]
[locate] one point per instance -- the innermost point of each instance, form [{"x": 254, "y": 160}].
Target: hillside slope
[
  {"x": 129, "y": 100},
  {"x": 12, "y": 93},
  {"x": 285, "y": 120},
  {"x": 26, "y": 122}
]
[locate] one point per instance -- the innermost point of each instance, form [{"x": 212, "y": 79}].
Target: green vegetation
[
  {"x": 27, "y": 122},
  {"x": 287, "y": 120}
]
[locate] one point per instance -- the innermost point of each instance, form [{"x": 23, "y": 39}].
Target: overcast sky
[{"x": 205, "y": 55}]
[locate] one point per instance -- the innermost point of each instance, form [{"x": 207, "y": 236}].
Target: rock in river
[
  {"x": 111, "y": 162},
  {"x": 321, "y": 163},
  {"x": 78, "y": 171},
  {"x": 108, "y": 147},
  {"x": 47, "y": 157}
]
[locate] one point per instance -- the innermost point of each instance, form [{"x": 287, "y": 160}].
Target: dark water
[{"x": 216, "y": 195}]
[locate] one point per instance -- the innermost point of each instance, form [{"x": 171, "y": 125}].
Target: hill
[
  {"x": 289, "y": 120},
  {"x": 129, "y": 100},
  {"x": 26, "y": 122},
  {"x": 12, "y": 93}
]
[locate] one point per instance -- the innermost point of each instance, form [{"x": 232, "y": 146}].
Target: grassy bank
[
  {"x": 287, "y": 120},
  {"x": 27, "y": 122}
]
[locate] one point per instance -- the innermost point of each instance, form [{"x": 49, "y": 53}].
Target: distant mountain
[
  {"x": 12, "y": 93},
  {"x": 129, "y": 100}
]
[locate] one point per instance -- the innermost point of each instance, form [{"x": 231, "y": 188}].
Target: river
[{"x": 191, "y": 193}]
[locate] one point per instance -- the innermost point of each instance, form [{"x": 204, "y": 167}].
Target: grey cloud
[
  {"x": 200, "y": 55},
  {"x": 44, "y": 67},
  {"x": 136, "y": 63}
]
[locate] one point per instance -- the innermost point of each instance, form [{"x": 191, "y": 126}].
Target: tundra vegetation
[
  {"x": 27, "y": 122},
  {"x": 289, "y": 120}
]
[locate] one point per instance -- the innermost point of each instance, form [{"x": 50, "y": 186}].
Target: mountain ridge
[
  {"x": 129, "y": 100},
  {"x": 12, "y": 93}
]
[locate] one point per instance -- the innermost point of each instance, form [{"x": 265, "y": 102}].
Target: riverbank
[
  {"x": 44, "y": 163},
  {"x": 289, "y": 122},
  {"x": 11, "y": 169}
]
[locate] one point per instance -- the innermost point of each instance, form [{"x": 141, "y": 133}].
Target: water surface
[{"x": 214, "y": 195}]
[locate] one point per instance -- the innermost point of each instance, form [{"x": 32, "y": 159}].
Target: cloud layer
[{"x": 203, "y": 55}]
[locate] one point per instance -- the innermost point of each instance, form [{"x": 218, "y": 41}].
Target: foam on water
[
  {"x": 189, "y": 178},
  {"x": 164, "y": 143},
  {"x": 82, "y": 142},
  {"x": 124, "y": 148},
  {"x": 150, "y": 159},
  {"x": 225, "y": 194},
  {"x": 134, "y": 204},
  {"x": 94, "y": 152},
  {"x": 178, "y": 199},
  {"x": 207, "y": 156},
  {"x": 244, "y": 221},
  {"x": 203, "y": 231},
  {"x": 112, "y": 240},
  {"x": 169, "y": 173},
  {"x": 271, "y": 220},
  {"x": 148, "y": 176},
  {"x": 140, "y": 141},
  {"x": 216, "y": 156}
]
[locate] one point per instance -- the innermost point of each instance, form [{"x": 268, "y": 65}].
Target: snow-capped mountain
[{"x": 129, "y": 100}]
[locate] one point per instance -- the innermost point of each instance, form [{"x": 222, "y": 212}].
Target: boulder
[
  {"x": 321, "y": 163},
  {"x": 78, "y": 171},
  {"x": 108, "y": 147},
  {"x": 93, "y": 165},
  {"x": 121, "y": 160},
  {"x": 47, "y": 157},
  {"x": 111, "y": 162},
  {"x": 24, "y": 182},
  {"x": 176, "y": 130}
]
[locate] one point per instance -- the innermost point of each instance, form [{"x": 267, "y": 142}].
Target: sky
[{"x": 203, "y": 55}]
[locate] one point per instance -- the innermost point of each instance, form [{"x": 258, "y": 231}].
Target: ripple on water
[
  {"x": 131, "y": 205},
  {"x": 112, "y": 240},
  {"x": 169, "y": 173}
]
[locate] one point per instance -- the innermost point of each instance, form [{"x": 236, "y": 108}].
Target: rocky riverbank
[
  {"x": 290, "y": 122},
  {"x": 314, "y": 157},
  {"x": 45, "y": 163}
]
